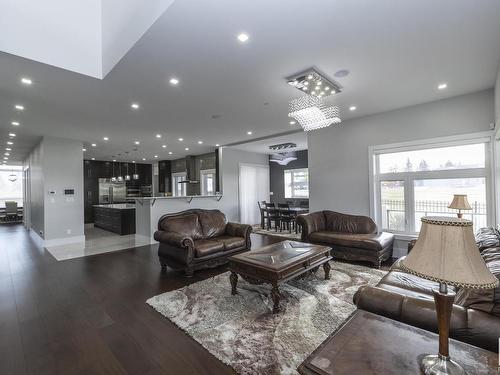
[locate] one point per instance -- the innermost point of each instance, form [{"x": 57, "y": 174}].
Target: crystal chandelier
[{"x": 311, "y": 113}]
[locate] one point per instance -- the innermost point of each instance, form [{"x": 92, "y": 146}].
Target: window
[
  {"x": 11, "y": 190},
  {"x": 296, "y": 183},
  {"x": 420, "y": 180},
  {"x": 179, "y": 188},
  {"x": 207, "y": 179}
]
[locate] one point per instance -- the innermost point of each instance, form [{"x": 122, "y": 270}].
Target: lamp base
[{"x": 440, "y": 365}]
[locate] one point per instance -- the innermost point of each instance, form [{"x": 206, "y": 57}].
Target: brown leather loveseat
[
  {"x": 350, "y": 237},
  {"x": 195, "y": 239},
  {"x": 409, "y": 299}
]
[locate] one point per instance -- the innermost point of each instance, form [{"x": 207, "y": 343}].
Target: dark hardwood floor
[{"x": 89, "y": 316}]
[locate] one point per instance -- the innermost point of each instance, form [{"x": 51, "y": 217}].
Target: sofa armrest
[
  {"x": 310, "y": 223},
  {"x": 173, "y": 239},
  {"x": 240, "y": 230}
]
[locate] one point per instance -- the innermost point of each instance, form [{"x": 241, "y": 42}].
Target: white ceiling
[
  {"x": 262, "y": 146},
  {"x": 397, "y": 53}
]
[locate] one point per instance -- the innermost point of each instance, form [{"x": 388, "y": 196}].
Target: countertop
[
  {"x": 183, "y": 197},
  {"x": 117, "y": 206}
]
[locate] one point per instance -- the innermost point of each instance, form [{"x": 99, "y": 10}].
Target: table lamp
[
  {"x": 460, "y": 203},
  {"x": 446, "y": 252}
]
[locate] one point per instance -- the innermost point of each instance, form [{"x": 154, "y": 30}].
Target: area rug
[
  {"x": 242, "y": 332},
  {"x": 284, "y": 233}
]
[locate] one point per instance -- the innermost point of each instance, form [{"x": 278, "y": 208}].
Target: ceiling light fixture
[
  {"x": 200, "y": 142},
  {"x": 10, "y": 142},
  {"x": 352, "y": 108},
  {"x": 84, "y": 149},
  {"x": 5, "y": 158},
  {"x": 174, "y": 81},
  {"x": 311, "y": 77},
  {"x": 158, "y": 135},
  {"x": 6, "y": 154},
  {"x": 137, "y": 142},
  {"x": 282, "y": 146},
  {"x": 15, "y": 123},
  {"x": 311, "y": 113},
  {"x": 19, "y": 107},
  {"x": 92, "y": 158},
  {"x": 170, "y": 152},
  {"x": 156, "y": 156},
  {"x": 164, "y": 146},
  {"x": 12, "y": 135},
  {"x": 283, "y": 158},
  {"x": 243, "y": 37},
  {"x": 143, "y": 159},
  {"x": 249, "y": 133},
  {"x": 8, "y": 149},
  {"x": 181, "y": 139},
  {"x": 105, "y": 138},
  {"x": 293, "y": 122},
  {"x": 187, "y": 149},
  {"x": 26, "y": 81},
  {"x": 135, "y": 105},
  {"x": 442, "y": 86},
  {"x": 217, "y": 145}
]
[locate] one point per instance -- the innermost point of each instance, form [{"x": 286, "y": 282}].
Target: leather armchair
[
  {"x": 351, "y": 237},
  {"x": 196, "y": 239}
]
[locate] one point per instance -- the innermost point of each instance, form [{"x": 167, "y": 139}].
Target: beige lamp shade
[
  {"x": 446, "y": 252},
  {"x": 460, "y": 202}
]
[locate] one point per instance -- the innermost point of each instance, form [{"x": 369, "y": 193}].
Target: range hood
[{"x": 190, "y": 171}]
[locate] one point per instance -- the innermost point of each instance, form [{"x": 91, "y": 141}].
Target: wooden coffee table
[
  {"x": 371, "y": 344},
  {"x": 278, "y": 263}
]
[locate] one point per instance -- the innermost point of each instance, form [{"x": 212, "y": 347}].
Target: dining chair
[
  {"x": 286, "y": 216},
  {"x": 10, "y": 210},
  {"x": 263, "y": 213},
  {"x": 272, "y": 215}
]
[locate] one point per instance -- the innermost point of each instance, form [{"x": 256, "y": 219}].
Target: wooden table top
[
  {"x": 280, "y": 255},
  {"x": 372, "y": 344}
]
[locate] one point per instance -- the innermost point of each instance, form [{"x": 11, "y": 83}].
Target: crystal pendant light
[
  {"x": 135, "y": 176},
  {"x": 120, "y": 177},
  {"x": 13, "y": 177},
  {"x": 113, "y": 178},
  {"x": 311, "y": 113},
  {"x": 127, "y": 176}
]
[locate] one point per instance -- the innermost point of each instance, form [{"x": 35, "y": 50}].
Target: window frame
[
  {"x": 204, "y": 172},
  {"x": 292, "y": 174},
  {"x": 174, "y": 183},
  {"x": 409, "y": 177}
]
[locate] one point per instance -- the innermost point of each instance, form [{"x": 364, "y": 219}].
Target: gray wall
[
  {"x": 57, "y": 164},
  {"x": 338, "y": 155},
  {"x": 277, "y": 177},
  {"x": 497, "y": 100}
]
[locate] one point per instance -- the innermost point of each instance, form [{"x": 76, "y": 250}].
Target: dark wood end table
[
  {"x": 278, "y": 263},
  {"x": 372, "y": 344}
]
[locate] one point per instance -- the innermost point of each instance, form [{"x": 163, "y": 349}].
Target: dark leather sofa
[
  {"x": 409, "y": 299},
  {"x": 350, "y": 237},
  {"x": 194, "y": 239}
]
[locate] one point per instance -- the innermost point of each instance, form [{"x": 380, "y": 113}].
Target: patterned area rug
[
  {"x": 285, "y": 234},
  {"x": 242, "y": 332}
]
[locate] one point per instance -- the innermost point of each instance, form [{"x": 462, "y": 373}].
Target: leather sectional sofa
[
  {"x": 409, "y": 299},
  {"x": 194, "y": 239},
  {"x": 354, "y": 238}
]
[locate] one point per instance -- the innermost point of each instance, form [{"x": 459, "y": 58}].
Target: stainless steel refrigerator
[{"x": 112, "y": 192}]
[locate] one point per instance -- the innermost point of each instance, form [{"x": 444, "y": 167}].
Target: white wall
[
  {"x": 497, "y": 100},
  {"x": 338, "y": 155},
  {"x": 56, "y": 164}
]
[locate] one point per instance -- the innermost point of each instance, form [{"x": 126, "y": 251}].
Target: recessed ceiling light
[
  {"x": 133, "y": 161},
  {"x": 292, "y": 122},
  {"x": 92, "y": 158},
  {"x": 156, "y": 156},
  {"x": 93, "y": 145},
  {"x": 170, "y": 152},
  {"x": 10, "y": 142},
  {"x": 442, "y": 86},
  {"x": 12, "y": 135},
  {"x": 217, "y": 145},
  {"x": 19, "y": 107},
  {"x": 174, "y": 81},
  {"x": 200, "y": 142},
  {"x": 143, "y": 158},
  {"x": 181, "y": 139},
  {"x": 6, "y": 154},
  {"x": 249, "y": 133},
  {"x": 135, "y": 105},
  {"x": 15, "y": 123},
  {"x": 164, "y": 146},
  {"x": 84, "y": 149},
  {"x": 105, "y": 138},
  {"x": 187, "y": 149},
  {"x": 352, "y": 108},
  {"x": 26, "y": 81},
  {"x": 158, "y": 135},
  {"x": 8, "y": 149},
  {"x": 243, "y": 37},
  {"x": 114, "y": 159},
  {"x": 137, "y": 142}
]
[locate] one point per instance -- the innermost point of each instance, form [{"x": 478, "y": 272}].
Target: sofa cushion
[
  {"x": 187, "y": 225},
  {"x": 487, "y": 237},
  {"x": 375, "y": 241},
  {"x": 487, "y": 300},
  {"x": 213, "y": 223},
  {"x": 231, "y": 242},
  {"x": 343, "y": 223},
  {"x": 203, "y": 248}
]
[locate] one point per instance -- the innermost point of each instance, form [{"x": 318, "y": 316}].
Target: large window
[
  {"x": 420, "y": 180},
  {"x": 207, "y": 179},
  {"x": 11, "y": 190},
  {"x": 178, "y": 187},
  {"x": 296, "y": 183}
]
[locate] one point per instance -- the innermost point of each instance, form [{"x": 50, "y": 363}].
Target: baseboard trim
[
  {"x": 64, "y": 241},
  {"x": 36, "y": 237}
]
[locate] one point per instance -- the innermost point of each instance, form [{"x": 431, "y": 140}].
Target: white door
[{"x": 253, "y": 187}]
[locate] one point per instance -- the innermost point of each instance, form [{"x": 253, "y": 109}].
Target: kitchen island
[
  {"x": 150, "y": 209},
  {"x": 116, "y": 218}
]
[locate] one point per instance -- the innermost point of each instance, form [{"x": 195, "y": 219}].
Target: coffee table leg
[
  {"x": 327, "y": 268},
  {"x": 233, "y": 277},
  {"x": 275, "y": 295}
]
